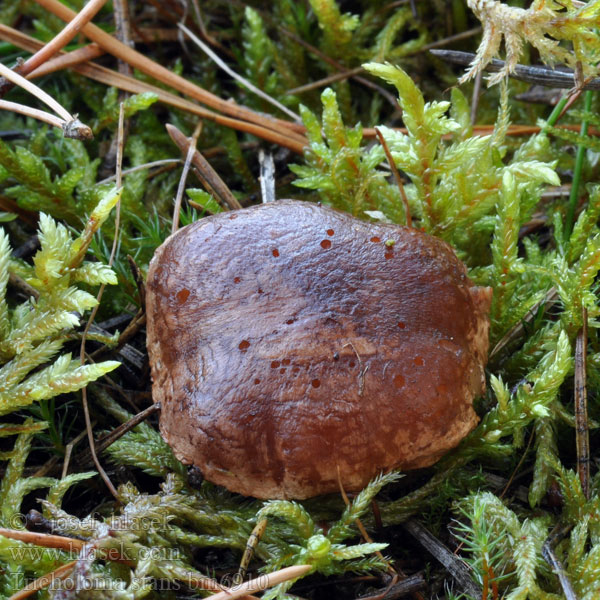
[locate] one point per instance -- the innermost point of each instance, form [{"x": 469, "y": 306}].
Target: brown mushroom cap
[{"x": 288, "y": 339}]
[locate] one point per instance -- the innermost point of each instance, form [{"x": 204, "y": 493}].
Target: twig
[
  {"x": 519, "y": 329},
  {"x": 582, "y": 433},
  {"x": 247, "y": 84},
  {"x": 454, "y": 565},
  {"x": 18, "y": 282},
  {"x": 540, "y": 75},
  {"x": 207, "y": 175},
  {"x": 118, "y": 432},
  {"x": 123, "y": 31},
  {"x": 9, "y": 205},
  {"x": 513, "y": 130},
  {"x": 184, "y": 173},
  {"x": 557, "y": 534},
  {"x": 251, "y": 544},
  {"x": 397, "y": 177},
  {"x": 204, "y": 31},
  {"x": 294, "y": 141},
  {"x": 498, "y": 483},
  {"x": 28, "y": 247},
  {"x": 410, "y": 585}
]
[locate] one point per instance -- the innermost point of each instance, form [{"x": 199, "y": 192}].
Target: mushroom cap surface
[{"x": 288, "y": 340}]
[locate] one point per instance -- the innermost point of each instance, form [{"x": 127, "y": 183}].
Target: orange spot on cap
[
  {"x": 399, "y": 381},
  {"x": 182, "y": 295}
]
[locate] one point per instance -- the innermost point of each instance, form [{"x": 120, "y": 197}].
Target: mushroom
[{"x": 290, "y": 340}]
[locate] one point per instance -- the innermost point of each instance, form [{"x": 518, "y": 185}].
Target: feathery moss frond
[
  {"x": 344, "y": 173},
  {"x": 344, "y": 527},
  {"x": 32, "y": 333},
  {"x": 295, "y": 514}
]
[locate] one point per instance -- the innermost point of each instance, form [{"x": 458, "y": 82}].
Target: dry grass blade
[
  {"x": 67, "y": 60},
  {"x": 291, "y": 139},
  {"x": 40, "y": 115},
  {"x": 69, "y": 451},
  {"x": 34, "y": 90},
  {"x": 71, "y": 126},
  {"x": 156, "y": 70},
  {"x": 263, "y": 582},
  {"x": 82, "y": 355},
  {"x": 184, "y": 173},
  {"x": 326, "y": 81},
  {"x": 237, "y": 76},
  {"x": 267, "y": 176},
  {"x": 86, "y": 14},
  {"x": 44, "y": 539},
  {"x": 208, "y": 176},
  {"x": 43, "y": 582}
]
